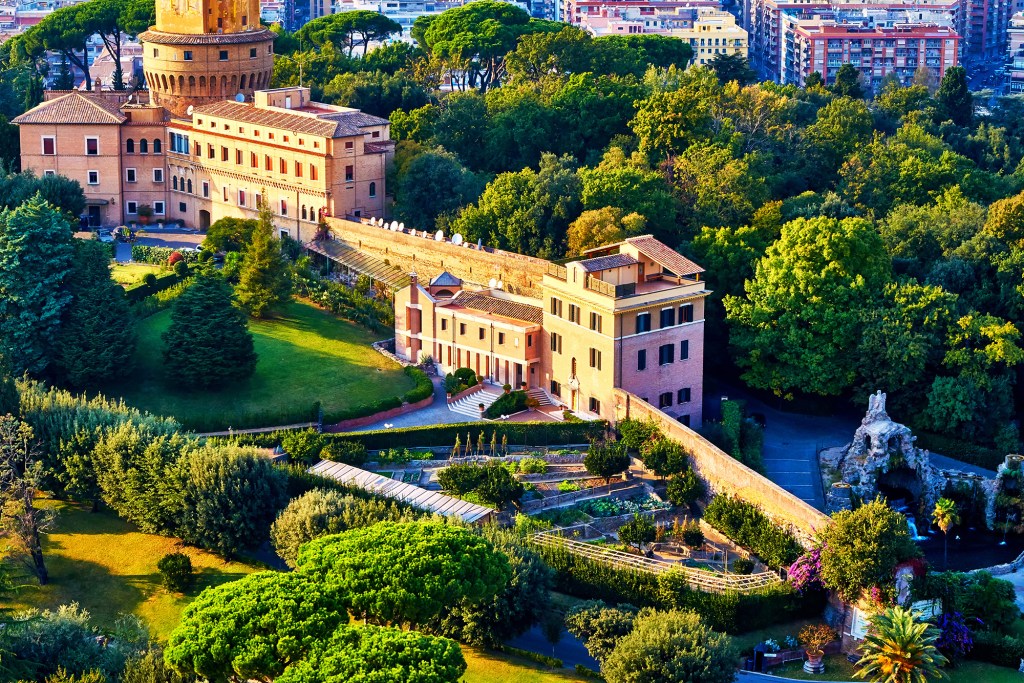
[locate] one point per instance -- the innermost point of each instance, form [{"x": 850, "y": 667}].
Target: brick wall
[
  {"x": 428, "y": 259},
  {"x": 725, "y": 474}
]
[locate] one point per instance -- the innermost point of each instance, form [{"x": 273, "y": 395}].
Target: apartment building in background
[
  {"x": 628, "y": 315},
  {"x": 208, "y": 140}
]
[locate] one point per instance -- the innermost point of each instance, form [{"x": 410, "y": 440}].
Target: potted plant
[
  {"x": 145, "y": 212},
  {"x": 532, "y": 403},
  {"x": 814, "y": 637}
]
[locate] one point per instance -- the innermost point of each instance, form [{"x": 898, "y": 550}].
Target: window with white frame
[
  {"x": 158, "y": 208},
  {"x": 131, "y": 207},
  {"x": 49, "y": 145},
  {"x": 158, "y": 175},
  {"x": 49, "y": 172},
  {"x": 94, "y": 177},
  {"x": 129, "y": 175},
  {"x": 206, "y": 189},
  {"x": 92, "y": 146}
]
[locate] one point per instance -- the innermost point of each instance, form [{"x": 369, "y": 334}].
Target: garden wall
[
  {"x": 358, "y": 422},
  {"x": 725, "y": 474},
  {"x": 429, "y": 258}
]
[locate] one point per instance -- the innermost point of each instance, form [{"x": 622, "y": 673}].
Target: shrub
[
  {"x": 634, "y": 433},
  {"x": 176, "y": 571},
  {"x": 180, "y": 268},
  {"x": 997, "y": 649},
  {"x": 507, "y": 404},
  {"x": 424, "y": 386},
  {"x": 518, "y": 433},
  {"x": 567, "y": 486},
  {"x": 149, "y": 279},
  {"x": 160, "y": 256},
  {"x": 685, "y": 489},
  {"x": 693, "y": 535},
  {"x": 742, "y": 565},
  {"x": 467, "y": 377},
  {"x": 304, "y": 446},
  {"x": 745, "y": 524},
  {"x": 175, "y": 257},
  {"x": 533, "y": 466},
  {"x": 460, "y": 479},
  {"x": 347, "y": 452}
]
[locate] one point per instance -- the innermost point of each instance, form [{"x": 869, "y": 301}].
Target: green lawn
[
  {"x": 837, "y": 668},
  {"x": 131, "y": 273},
  {"x": 109, "y": 567},
  {"x": 306, "y": 355}
]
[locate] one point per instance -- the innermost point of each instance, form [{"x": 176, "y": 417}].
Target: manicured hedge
[
  {"x": 159, "y": 255},
  {"x": 507, "y": 404},
  {"x": 732, "y": 612},
  {"x": 424, "y": 386},
  {"x": 745, "y": 524},
  {"x": 518, "y": 433},
  {"x": 142, "y": 290},
  {"x": 997, "y": 649}
]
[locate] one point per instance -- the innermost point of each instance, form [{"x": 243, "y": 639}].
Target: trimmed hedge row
[
  {"x": 731, "y": 612},
  {"x": 142, "y": 290},
  {"x": 518, "y": 433},
  {"x": 745, "y": 524},
  {"x": 424, "y": 386},
  {"x": 997, "y": 649},
  {"x": 507, "y": 404},
  {"x": 159, "y": 255}
]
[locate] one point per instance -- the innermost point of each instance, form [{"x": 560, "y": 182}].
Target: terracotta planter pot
[{"x": 813, "y": 664}]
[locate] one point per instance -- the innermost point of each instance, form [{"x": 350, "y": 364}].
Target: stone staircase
[
  {"x": 469, "y": 405},
  {"x": 543, "y": 398}
]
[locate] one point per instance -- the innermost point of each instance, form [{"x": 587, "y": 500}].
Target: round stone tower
[{"x": 203, "y": 51}]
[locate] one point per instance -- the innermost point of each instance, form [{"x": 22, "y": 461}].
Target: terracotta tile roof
[
  {"x": 592, "y": 265},
  {"x": 661, "y": 254},
  {"x": 480, "y": 301},
  {"x": 206, "y": 38},
  {"x": 75, "y": 107},
  {"x": 335, "y": 125}
]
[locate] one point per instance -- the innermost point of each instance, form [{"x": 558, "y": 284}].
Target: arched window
[
  {"x": 143, "y": 146},
  {"x": 189, "y": 186},
  {"x": 573, "y": 368},
  {"x": 373, "y": 189},
  {"x": 174, "y": 182},
  {"x": 130, "y": 146},
  {"x": 191, "y": 84},
  {"x": 304, "y": 212},
  {"x": 242, "y": 83},
  {"x": 156, "y": 145}
]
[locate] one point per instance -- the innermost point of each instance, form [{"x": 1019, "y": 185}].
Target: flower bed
[{"x": 612, "y": 507}]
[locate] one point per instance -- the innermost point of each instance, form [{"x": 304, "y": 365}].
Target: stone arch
[
  {"x": 143, "y": 146},
  {"x": 189, "y": 181},
  {"x": 181, "y": 84},
  {"x": 224, "y": 85},
  {"x": 174, "y": 182},
  {"x": 191, "y": 85},
  {"x": 157, "y": 146},
  {"x": 172, "y": 85},
  {"x": 252, "y": 81},
  {"x": 234, "y": 84},
  {"x": 202, "y": 85},
  {"x": 213, "y": 85},
  {"x": 241, "y": 84},
  {"x": 129, "y": 146},
  {"x": 304, "y": 212}
]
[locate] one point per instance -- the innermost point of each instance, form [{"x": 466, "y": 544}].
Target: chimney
[
  {"x": 97, "y": 85},
  {"x": 414, "y": 292}
]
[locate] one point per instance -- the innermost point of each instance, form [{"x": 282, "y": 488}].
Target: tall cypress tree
[
  {"x": 264, "y": 283},
  {"x": 208, "y": 343},
  {"x": 97, "y": 336},
  {"x": 35, "y": 260}
]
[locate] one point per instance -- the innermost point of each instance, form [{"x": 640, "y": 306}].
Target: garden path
[{"x": 436, "y": 413}]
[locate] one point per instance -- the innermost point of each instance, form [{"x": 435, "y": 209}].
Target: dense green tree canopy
[
  {"x": 406, "y": 573},
  {"x": 264, "y": 283}
]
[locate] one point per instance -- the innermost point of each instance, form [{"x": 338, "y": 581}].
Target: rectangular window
[
  {"x": 684, "y": 419},
  {"x": 238, "y": 157},
  {"x": 252, "y": 53},
  {"x": 556, "y": 307},
  {"x": 313, "y": 174},
  {"x": 282, "y": 166},
  {"x": 529, "y": 340},
  {"x": 666, "y": 354},
  {"x": 349, "y": 144},
  {"x": 556, "y": 342},
  {"x": 595, "y": 359},
  {"x": 258, "y": 201},
  {"x": 595, "y": 322},
  {"x": 349, "y": 174},
  {"x": 131, "y": 207},
  {"x": 595, "y": 405},
  {"x": 643, "y": 322},
  {"x": 665, "y": 400},
  {"x": 462, "y": 329},
  {"x": 686, "y": 313},
  {"x": 225, "y": 191},
  {"x": 480, "y": 333},
  {"x": 223, "y": 153},
  {"x": 268, "y": 164},
  {"x": 501, "y": 338},
  {"x": 574, "y": 313},
  {"x": 156, "y": 52},
  {"x": 684, "y": 349},
  {"x": 49, "y": 145},
  {"x": 641, "y": 359},
  {"x": 94, "y": 177},
  {"x": 209, "y": 150},
  {"x": 158, "y": 175},
  {"x": 253, "y": 160},
  {"x": 375, "y": 134},
  {"x": 556, "y": 388},
  {"x": 158, "y": 208},
  {"x": 284, "y": 207},
  {"x": 49, "y": 172},
  {"x": 129, "y": 175},
  {"x": 668, "y": 317},
  {"x": 92, "y": 146},
  {"x": 206, "y": 189},
  {"x": 223, "y": 54},
  {"x": 241, "y": 197},
  {"x": 444, "y": 324},
  {"x": 187, "y": 56},
  {"x": 298, "y": 169},
  {"x": 683, "y": 395},
  {"x": 181, "y": 207}
]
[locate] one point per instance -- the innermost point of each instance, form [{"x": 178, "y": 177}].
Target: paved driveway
[
  {"x": 791, "y": 444},
  {"x": 166, "y": 238}
]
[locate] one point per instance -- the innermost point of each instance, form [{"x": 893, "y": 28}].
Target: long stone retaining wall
[
  {"x": 725, "y": 474},
  {"x": 429, "y": 258}
]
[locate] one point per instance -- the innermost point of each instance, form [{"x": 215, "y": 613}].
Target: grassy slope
[
  {"x": 306, "y": 355},
  {"x": 109, "y": 568},
  {"x": 131, "y": 273}
]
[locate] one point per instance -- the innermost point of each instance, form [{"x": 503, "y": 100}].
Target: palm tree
[
  {"x": 898, "y": 649},
  {"x": 945, "y": 517}
]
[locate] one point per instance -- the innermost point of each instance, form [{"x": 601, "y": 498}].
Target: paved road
[
  {"x": 435, "y": 414},
  {"x": 791, "y": 443}
]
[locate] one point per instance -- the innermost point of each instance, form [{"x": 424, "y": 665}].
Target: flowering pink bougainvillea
[{"x": 805, "y": 573}]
